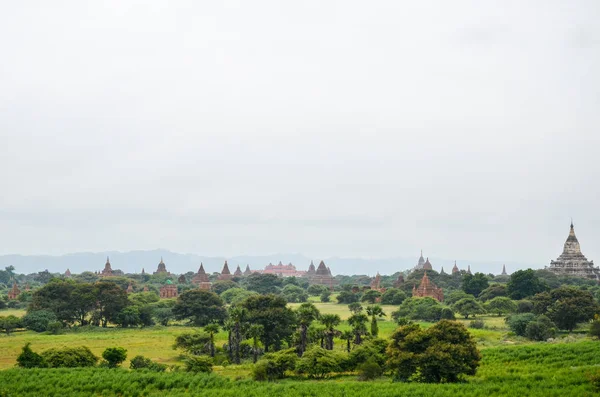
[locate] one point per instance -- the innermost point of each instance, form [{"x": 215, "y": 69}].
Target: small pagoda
[
  {"x": 322, "y": 276},
  {"x": 162, "y": 268},
  {"x": 428, "y": 288},
  {"x": 169, "y": 290},
  {"x": 107, "y": 271},
  {"x": 201, "y": 279},
  {"x": 247, "y": 272},
  {"x": 14, "y": 292},
  {"x": 238, "y": 272},
  {"x": 225, "y": 273},
  {"x": 455, "y": 269},
  {"x": 130, "y": 288}
]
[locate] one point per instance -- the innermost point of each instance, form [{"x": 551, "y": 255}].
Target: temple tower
[
  {"x": 225, "y": 273},
  {"x": 162, "y": 268},
  {"x": 107, "y": 269},
  {"x": 201, "y": 279},
  {"x": 572, "y": 262},
  {"x": 428, "y": 288}
]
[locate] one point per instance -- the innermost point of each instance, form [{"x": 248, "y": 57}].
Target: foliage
[
  {"x": 114, "y": 356},
  {"x": 220, "y": 286},
  {"x": 236, "y": 295},
  {"x": 293, "y": 293},
  {"x": 518, "y": 322},
  {"x": 595, "y": 327},
  {"x": 369, "y": 370},
  {"x": 276, "y": 318},
  {"x": 468, "y": 307},
  {"x": 198, "y": 364},
  {"x": 194, "y": 343},
  {"x": 38, "y": 320},
  {"x": 426, "y": 309},
  {"x": 141, "y": 362},
  {"x": 540, "y": 329},
  {"x": 316, "y": 289},
  {"x": 29, "y": 359},
  {"x": 274, "y": 365},
  {"x": 375, "y": 311},
  {"x": 358, "y": 322},
  {"x": 524, "y": 283},
  {"x": 501, "y": 305},
  {"x": 374, "y": 349},
  {"x": 319, "y": 363},
  {"x": 524, "y": 306},
  {"x": 393, "y": 296},
  {"x": 129, "y": 317},
  {"x": 443, "y": 353},
  {"x": 371, "y": 296},
  {"x": 325, "y": 296},
  {"x": 305, "y": 314},
  {"x": 9, "y": 323},
  {"x": 263, "y": 283},
  {"x": 474, "y": 284},
  {"x": 455, "y": 296},
  {"x": 492, "y": 292},
  {"x": 330, "y": 321},
  {"x": 566, "y": 306},
  {"x": 346, "y": 297},
  {"x": 447, "y": 314},
  {"x": 477, "y": 324},
  {"x": 200, "y": 308},
  {"x": 69, "y": 357}
]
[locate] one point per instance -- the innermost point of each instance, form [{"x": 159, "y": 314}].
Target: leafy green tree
[
  {"x": 110, "y": 301},
  {"x": 492, "y": 292},
  {"x": 348, "y": 337},
  {"x": 375, "y": 311},
  {"x": 274, "y": 365},
  {"x": 425, "y": 309},
  {"x": 218, "y": 287},
  {"x": 540, "y": 329},
  {"x": 518, "y": 322},
  {"x": 319, "y": 363},
  {"x": 38, "y": 320},
  {"x": 330, "y": 321},
  {"x": 9, "y": 323},
  {"x": 566, "y": 306},
  {"x": 358, "y": 322},
  {"x": 393, "y": 296},
  {"x": 196, "y": 343},
  {"x": 238, "y": 317},
  {"x": 355, "y": 307},
  {"x": 524, "y": 283},
  {"x": 114, "y": 356},
  {"x": 83, "y": 301},
  {"x": 129, "y": 317},
  {"x": 595, "y": 327},
  {"x": 254, "y": 332},
  {"x": 306, "y": 314},
  {"x": 316, "y": 289},
  {"x": 29, "y": 359},
  {"x": 294, "y": 294},
  {"x": 325, "y": 296},
  {"x": 198, "y": 364},
  {"x": 236, "y": 295},
  {"x": 474, "y": 284},
  {"x": 443, "y": 353},
  {"x": 468, "y": 307},
  {"x": 347, "y": 297},
  {"x": 69, "y": 357},
  {"x": 200, "y": 308},
  {"x": 371, "y": 296},
  {"x": 263, "y": 283},
  {"x": 501, "y": 305},
  {"x": 455, "y": 296},
  {"x": 141, "y": 362},
  {"x": 272, "y": 313},
  {"x": 56, "y": 297}
]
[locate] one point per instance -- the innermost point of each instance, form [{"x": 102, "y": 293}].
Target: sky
[{"x": 467, "y": 129}]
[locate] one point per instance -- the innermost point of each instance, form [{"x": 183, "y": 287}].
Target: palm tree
[
  {"x": 211, "y": 330},
  {"x": 237, "y": 320},
  {"x": 254, "y": 332},
  {"x": 330, "y": 321},
  {"x": 358, "y": 323},
  {"x": 375, "y": 311},
  {"x": 347, "y": 336},
  {"x": 306, "y": 314}
]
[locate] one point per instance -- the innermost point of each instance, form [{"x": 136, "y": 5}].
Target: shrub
[
  {"x": 369, "y": 370},
  {"x": 477, "y": 324},
  {"x": 393, "y": 296},
  {"x": 55, "y": 327},
  {"x": 317, "y": 362},
  {"x": 347, "y": 297},
  {"x": 274, "y": 365},
  {"x": 426, "y": 309},
  {"x": 447, "y": 314},
  {"x": 198, "y": 364},
  {"x": 518, "y": 322},
  {"x": 540, "y": 329},
  {"x": 325, "y": 296},
  {"x": 524, "y": 306},
  {"x": 38, "y": 320},
  {"x": 141, "y": 362},
  {"x": 30, "y": 359},
  {"x": 374, "y": 349},
  {"x": 114, "y": 356},
  {"x": 595, "y": 327},
  {"x": 70, "y": 357}
]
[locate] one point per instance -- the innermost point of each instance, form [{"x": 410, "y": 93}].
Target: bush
[
  {"x": 518, "y": 322},
  {"x": 141, "y": 362},
  {"x": 447, "y": 314},
  {"x": 541, "y": 329},
  {"x": 114, "y": 356},
  {"x": 317, "y": 362},
  {"x": 29, "y": 359},
  {"x": 70, "y": 357},
  {"x": 198, "y": 364},
  {"x": 369, "y": 370},
  {"x": 524, "y": 306},
  {"x": 38, "y": 320},
  {"x": 426, "y": 309},
  {"x": 393, "y": 296},
  {"x": 477, "y": 324},
  {"x": 55, "y": 327},
  {"x": 325, "y": 296},
  {"x": 347, "y": 297},
  {"x": 374, "y": 349},
  {"x": 595, "y": 327},
  {"x": 274, "y": 365}
]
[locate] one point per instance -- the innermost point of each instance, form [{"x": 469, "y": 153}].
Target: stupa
[{"x": 572, "y": 262}]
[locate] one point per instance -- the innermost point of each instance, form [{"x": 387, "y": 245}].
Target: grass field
[
  {"x": 537, "y": 370},
  {"x": 156, "y": 342}
]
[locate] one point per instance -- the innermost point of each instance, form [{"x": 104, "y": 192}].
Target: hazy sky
[{"x": 467, "y": 128}]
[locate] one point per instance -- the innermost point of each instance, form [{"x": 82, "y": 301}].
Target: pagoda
[
  {"x": 428, "y": 288},
  {"x": 420, "y": 263},
  {"x": 169, "y": 290},
  {"x": 238, "y": 272},
  {"x": 130, "y": 288},
  {"x": 201, "y": 279},
  {"x": 504, "y": 271},
  {"x": 107, "y": 271},
  {"x": 68, "y": 273},
  {"x": 427, "y": 265},
  {"x": 247, "y": 272},
  {"x": 14, "y": 292},
  {"x": 225, "y": 273},
  {"x": 455, "y": 269},
  {"x": 322, "y": 276},
  {"x": 572, "y": 262},
  {"x": 399, "y": 281},
  {"x": 162, "y": 268},
  {"x": 311, "y": 269}
]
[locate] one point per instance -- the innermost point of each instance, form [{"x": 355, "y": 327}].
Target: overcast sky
[{"x": 469, "y": 129}]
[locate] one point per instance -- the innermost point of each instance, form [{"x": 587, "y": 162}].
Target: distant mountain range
[{"x": 134, "y": 261}]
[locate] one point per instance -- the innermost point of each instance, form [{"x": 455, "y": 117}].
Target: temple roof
[
  {"x": 571, "y": 249},
  {"x": 322, "y": 269},
  {"x": 421, "y": 261},
  {"x": 427, "y": 265},
  {"x": 225, "y": 269},
  {"x": 247, "y": 271}
]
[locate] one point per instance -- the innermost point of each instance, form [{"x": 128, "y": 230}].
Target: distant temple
[
  {"x": 201, "y": 279},
  {"x": 469, "y": 269},
  {"x": 420, "y": 263},
  {"x": 311, "y": 269},
  {"x": 428, "y": 288},
  {"x": 225, "y": 273},
  {"x": 107, "y": 272},
  {"x": 504, "y": 271},
  {"x": 14, "y": 292},
  {"x": 376, "y": 282},
  {"x": 130, "y": 288},
  {"x": 322, "y": 276},
  {"x": 181, "y": 279},
  {"x": 238, "y": 272},
  {"x": 572, "y": 262},
  {"x": 247, "y": 272},
  {"x": 68, "y": 273},
  {"x": 162, "y": 268},
  {"x": 169, "y": 290},
  {"x": 399, "y": 281},
  {"x": 455, "y": 269},
  {"x": 427, "y": 265},
  {"x": 442, "y": 270},
  {"x": 282, "y": 270}
]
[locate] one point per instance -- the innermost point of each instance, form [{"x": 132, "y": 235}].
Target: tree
[
  {"x": 83, "y": 301},
  {"x": 595, "y": 327},
  {"x": 358, "y": 322},
  {"x": 566, "y": 306},
  {"x": 468, "y": 307},
  {"x": 375, "y": 311},
  {"x": 200, "y": 308},
  {"x": 318, "y": 363},
  {"x": 306, "y": 314},
  {"x": 325, "y": 296},
  {"x": 129, "y": 317},
  {"x": 198, "y": 364},
  {"x": 474, "y": 284},
  {"x": 443, "y": 353},
  {"x": 263, "y": 283},
  {"x": 9, "y": 323},
  {"x": 163, "y": 315},
  {"x": 316, "y": 289},
  {"x": 293, "y": 293},
  {"x": 393, "y": 296},
  {"x": 371, "y": 296},
  {"x": 501, "y": 305},
  {"x": 194, "y": 343},
  {"x": 355, "y": 307},
  {"x": 218, "y": 287},
  {"x": 211, "y": 330},
  {"x": 236, "y": 295},
  {"x": 347, "y": 297},
  {"x": 114, "y": 356},
  {"x": 455, "y": 296},
  {"x": 38, "y": 320},
  {"x": 330, "y": 321},
  {"x": 518, "y": 322},
  {"x": 237, "y": 317},
  {"x": 492, "y": 291},
  {"x": 254, "y": 332},
  {"x": 524, "y": 283},
  {"x": 540, "y": 329},
  {"x": 347, "y": 336},
  {"x": 110, "y": 301},
  {"x": 425, "y": 309},
  {"x": 69, "y": 357},
  {"x": 55, "y": 297},
  {"x": 271, "y": 311}
]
